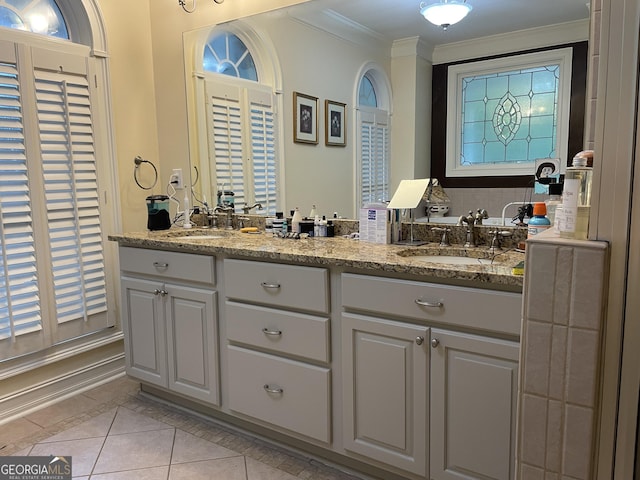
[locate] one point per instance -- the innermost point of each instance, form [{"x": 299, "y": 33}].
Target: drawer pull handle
[
  {"x": 270, "y": 285},
  {"x": 274, "y": 333},
  {"x": 429, "y": 304},
  {"x": 269, "y": 389},
  {"x": 435, "y": 342},
  {"x": 160, "y": 265}
]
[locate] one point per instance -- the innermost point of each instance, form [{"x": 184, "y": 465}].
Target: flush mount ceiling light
[
  {"x": 445, "y": 12},
  {"x": 183, "y": 4}
]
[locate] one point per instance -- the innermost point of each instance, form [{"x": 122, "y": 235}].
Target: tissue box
[{"x": 375, "y": 225}]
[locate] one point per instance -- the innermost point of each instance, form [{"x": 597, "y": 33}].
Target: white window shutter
[
  {"x": 19, "y": 295},
  {"x": 374, "y": 155},
  {"x": 224, "y": 112},
  {"x": 69, "y": 168},
  {"x": 263, "y": 149}
]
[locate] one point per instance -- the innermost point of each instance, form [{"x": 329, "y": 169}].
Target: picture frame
[
  {"x": 305, "y": 118},
  {"x": 335, "y": 115}
]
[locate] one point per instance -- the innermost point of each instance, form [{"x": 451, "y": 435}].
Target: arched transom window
[
  {"x": 37, "y": 16},
  {"x": 227, "y": 54}
]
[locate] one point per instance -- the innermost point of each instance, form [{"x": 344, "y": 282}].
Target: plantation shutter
[
  {"x": 263, "y": 149},
  {"x": 225, "y": 115},
  {"x": 242, "y": 142},
  {"x": 68, "y": 157},
  {"x": 19, "y": 295},
  {"x": 374, "y": 155}
]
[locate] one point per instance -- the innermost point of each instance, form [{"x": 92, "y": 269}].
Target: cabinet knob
[
  {"x": 156, "y": 292},
  {"x": 163, "y": 293},
  {"x": 419, "y": 340},
  {"x": 435, "y": 342}
]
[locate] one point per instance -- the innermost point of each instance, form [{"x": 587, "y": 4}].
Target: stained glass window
[
  {"x": 510, "y": 116},
  {"x": 509, "y": 113}
]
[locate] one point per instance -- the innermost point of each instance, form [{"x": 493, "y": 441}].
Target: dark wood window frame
[{"x": 439, "y": 120}]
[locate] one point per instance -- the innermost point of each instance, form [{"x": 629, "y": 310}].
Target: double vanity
[{"x": 388, "y": 359}]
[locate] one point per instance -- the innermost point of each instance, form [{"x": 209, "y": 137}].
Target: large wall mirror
[{"x": 318, "y": 54}]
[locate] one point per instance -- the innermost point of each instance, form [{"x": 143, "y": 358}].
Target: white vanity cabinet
[
  {"x": 169, "y": 319},
  {"x": 474, "y": 381},
  {"x": 420, "y": 392},
  {"x": 385, "y": 382},
  {"x": 278, "y": 353}
]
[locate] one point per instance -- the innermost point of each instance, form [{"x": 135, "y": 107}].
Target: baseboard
[{"x": 65, "y": 384}]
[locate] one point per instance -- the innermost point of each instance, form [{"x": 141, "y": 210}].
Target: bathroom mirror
[{"x": 325, "y": 175}]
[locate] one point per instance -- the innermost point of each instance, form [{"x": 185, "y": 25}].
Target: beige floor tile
[
  {"x": 156, "y": 473},
  {"x": 83, "y": 452},
  {"x": 261, "y": 471},
  {"x": 16, "y": 430},
  {"x": 189, "y": 448},
  {"x": 127, "y": 421},
  {"x": 132, "y": 451},
  {"x": 96, "y": 427},
  {"x": 65, "y": 409},
  {"x": 223, "y": 469}
]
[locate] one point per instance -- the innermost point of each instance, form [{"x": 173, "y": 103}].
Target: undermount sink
[
  {"x": 452, "y": 259},
  {"x": 202, "y": 237},
  {"x": 461, "y": 256}
]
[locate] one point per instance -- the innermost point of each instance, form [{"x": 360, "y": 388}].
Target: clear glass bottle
[
  {"x": 554, "y": 200},
  {"x": 576, "y": 198}
]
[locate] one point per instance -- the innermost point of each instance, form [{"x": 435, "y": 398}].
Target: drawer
[
  {"x": 289, "y": 286},
  {"x": 459, "y": 306},
  {"x": 282, "y": 392},
  {"x": 282, "y": 332},
  {"x": 169, "y": 265}
]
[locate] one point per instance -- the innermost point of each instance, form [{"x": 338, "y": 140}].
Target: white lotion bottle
[
  {"x": 187, "y": 209},
  {"x": 576, "y": 198}
]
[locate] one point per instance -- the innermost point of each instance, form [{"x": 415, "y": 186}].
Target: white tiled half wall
[{"x": 560, "y": 357}]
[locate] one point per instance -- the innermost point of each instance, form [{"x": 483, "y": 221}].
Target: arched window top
[
  {"x": 226, "y": 54},
  {"x": 367, "y": 93},
  {"x": 38, "y": 16}
]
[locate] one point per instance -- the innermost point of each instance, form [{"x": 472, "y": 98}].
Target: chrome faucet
[
  {"x": 498, "y": 235},
  {"x": 228, "y": 209},
  {"x": 246, "y": 209},
  {"x": 470, "y": 220},
  {"x": 444, "y": 241},
  {"x": 481, "y": 214}
]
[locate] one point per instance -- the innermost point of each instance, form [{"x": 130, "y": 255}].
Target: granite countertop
[{"x": 345, "y": 252}]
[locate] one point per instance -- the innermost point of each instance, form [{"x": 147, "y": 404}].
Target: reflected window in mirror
[
  {"x": 241, "y": 123},
  {"x": 228, "y": 55},
  {"x": 373, "y": 137},
  {"x": 492, "y": 118}
]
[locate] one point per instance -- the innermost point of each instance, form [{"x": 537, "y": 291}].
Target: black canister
[{"x": 158, "y": 212}]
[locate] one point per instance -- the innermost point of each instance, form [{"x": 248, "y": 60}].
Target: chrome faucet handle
[
  {"x": 444, "y": 241},
  {"x": 481, "y": 214}
]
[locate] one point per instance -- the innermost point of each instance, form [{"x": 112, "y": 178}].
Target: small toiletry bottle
[
  {"x": 576, "y": 197},
  {"x": 330, "y": 229},
  {"x": 316, "y": 226},
  {"x": 296, "y": 218},
  {"x": 187, "y": 212},
  {"x": 323, "y": 226},
  {"x": 539, "y": 222},
  {"x": 554, "y": 200},
  {"x": 285, "y": 228},
  {"x": 313, "y": 212}
]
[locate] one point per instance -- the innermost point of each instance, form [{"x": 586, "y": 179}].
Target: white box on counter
[{"x": 375, "y": 223}]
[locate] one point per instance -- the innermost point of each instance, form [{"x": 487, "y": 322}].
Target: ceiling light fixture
[
  {"x": 183, "y": 4},
  {"x": 445, "y": 12}
]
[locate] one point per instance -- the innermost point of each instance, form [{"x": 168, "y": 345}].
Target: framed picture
[
  {"x": 335, "y": 115},
  {"x": 305, "y": 118}
]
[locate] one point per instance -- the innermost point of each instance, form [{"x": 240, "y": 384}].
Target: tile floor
[{"x": 114, "y": 433}]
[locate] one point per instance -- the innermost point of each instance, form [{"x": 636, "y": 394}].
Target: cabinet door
[
  {"x": 192, "y": 341},
  {"x": 474, "y": 384},
  {"x": 144, "y": 330},
  {"x": 385, "y": 382}
]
